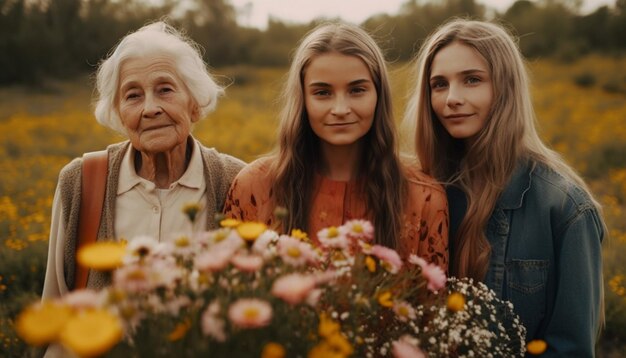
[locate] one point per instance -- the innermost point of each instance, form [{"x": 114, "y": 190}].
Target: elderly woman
[{"x": 152, "y": 89}]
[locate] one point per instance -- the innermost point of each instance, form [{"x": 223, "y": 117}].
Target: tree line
[{"x": 42, "y": 39}]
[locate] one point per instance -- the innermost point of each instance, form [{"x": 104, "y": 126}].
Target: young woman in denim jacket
[{"x": 521, "y": 220}]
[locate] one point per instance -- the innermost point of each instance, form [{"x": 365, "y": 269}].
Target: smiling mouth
[
  {"x": 157, "y": 127},
  {"x": 459, "y": 116},
  {"x": 340, "y": 124}
]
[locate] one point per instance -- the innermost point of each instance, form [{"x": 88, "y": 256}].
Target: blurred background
[{"x": 49, "y": 49}]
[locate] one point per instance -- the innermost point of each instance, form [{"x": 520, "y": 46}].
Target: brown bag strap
[{"x": 94, "y": 178}]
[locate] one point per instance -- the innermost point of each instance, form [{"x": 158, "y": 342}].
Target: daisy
[
  {"x": 391, "y": 261},
  {"x": 250, "y": 313},
  {"x": 294, "y": 252},
  {"x": 333, "y": 237},
  {"x": 434, "y": 274},
  {"x": 293, "y": 288},
  {"x": 360, "y": 230}
]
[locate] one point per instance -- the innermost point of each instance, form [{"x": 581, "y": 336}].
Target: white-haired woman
[{"x": 152, "y": 89}]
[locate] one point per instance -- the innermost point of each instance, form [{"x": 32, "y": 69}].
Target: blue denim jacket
[{"x": 545, "y": 237}]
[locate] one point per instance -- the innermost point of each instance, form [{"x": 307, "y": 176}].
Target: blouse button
[{"x": 155, "y": 209}]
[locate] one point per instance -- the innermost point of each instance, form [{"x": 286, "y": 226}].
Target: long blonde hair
[
  {"x": 298, "y": 148},
  {"x": 483, "y": 168}
]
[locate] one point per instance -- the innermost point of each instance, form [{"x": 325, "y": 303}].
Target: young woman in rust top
[{"x": 337, "y": 158}]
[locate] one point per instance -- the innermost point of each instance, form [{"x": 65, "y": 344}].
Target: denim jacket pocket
[
  {"x": 527, "y": 280},
  {"x": 528, "y": 276}
]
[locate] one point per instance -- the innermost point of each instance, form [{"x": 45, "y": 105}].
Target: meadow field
[{"x": 581, "y": 108}]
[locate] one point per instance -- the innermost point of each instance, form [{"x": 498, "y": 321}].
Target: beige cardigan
[{"x": 219, "y": 171}]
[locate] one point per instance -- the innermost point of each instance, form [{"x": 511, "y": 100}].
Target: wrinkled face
[
  {"x": 461, "y": 90},
  {"x": 154, "y": 105},
  {"x": 340, "y": 98}
]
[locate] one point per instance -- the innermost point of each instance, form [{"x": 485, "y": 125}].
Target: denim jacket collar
[{"x": 513, "y": 195}]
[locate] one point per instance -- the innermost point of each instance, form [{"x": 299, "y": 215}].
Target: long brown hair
[
  {"x": 298, "y": 148},
  {"x": 483, "y": 168}
]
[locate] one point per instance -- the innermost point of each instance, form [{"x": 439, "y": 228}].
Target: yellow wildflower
[
  {"x": 370, "y": 263},
  {"x": 340, "y": 343},
  {"x": 324, "y": 350},
  {"x": 102, "y": 256},
  {"x": 179, "y": 331},
  {"x": 182, "y": 241},
  {"x": 191, "y": 210},
  {"x": 40, "y": 324},
  {"x": 384, "y": 299},
  {"x": 92, "y": 333},
  {"x": 230, "y": 223},
  {"x": 327, "y": 326},
  {"x": 299, "y": 234},
  {"x": 281, "y": 212},
  {"x": 273, "y": 350},
  {"x": 249, "y": 231},
  {"x": 456, "y": 302},
  {"x": 536, "y": 346}
]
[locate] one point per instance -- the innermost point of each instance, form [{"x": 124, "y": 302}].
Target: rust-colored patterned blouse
[{"x": 425, "y": 230}]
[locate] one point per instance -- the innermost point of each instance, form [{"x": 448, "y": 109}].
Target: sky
[{"x": 356, "y": 11}]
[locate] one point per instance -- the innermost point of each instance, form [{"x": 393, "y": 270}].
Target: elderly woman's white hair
[{"x": 161, "y": 39}]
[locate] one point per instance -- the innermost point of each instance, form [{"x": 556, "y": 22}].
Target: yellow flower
[
  {"x": 456, "y": 302},
  {"x": 249, "y": 231},
  {"x": 333, "y": 232},
  {"x": 281, "y": 212},
  {"x": 230, "y": 223},
  {"x": 102, "y": 256},
  {"x": 273, "y": 350},
  {"x": 182, "y": 241},
  {"x": 327, "y": 326},
  {"x": 370, "y": 263},
  {"x": 179, "y": 331},
  {"x": 40, "y": 324},
  {"x": 299, "y": 234},
  {"x": 384, "y": 299},
  {"x": 340, "y": 344},
  {"x": 191, "y": 210},
  {"x": 92, "y": 333},
  {"x": 536, "y": 346},
  {"x": 324, "y": 350}
]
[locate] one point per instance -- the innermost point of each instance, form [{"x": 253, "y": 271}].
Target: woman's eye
[
  {"x": 321, "y": 93},
  {"x": 473, "y": 80},
  {"x": 358, "y": 90},
  {"x": 166, "y": 89},
  {"x": 130, "y": 96},
  {"x": 438, "y": 85}
]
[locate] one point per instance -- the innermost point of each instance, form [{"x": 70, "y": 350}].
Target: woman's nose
[
  {"x": 341, "y": 106},
  {"x": 151, "y": 107},
  {"x": 455, "y": 97}
]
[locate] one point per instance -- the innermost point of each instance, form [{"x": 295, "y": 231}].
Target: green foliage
[{"x": 40, "y": 39}]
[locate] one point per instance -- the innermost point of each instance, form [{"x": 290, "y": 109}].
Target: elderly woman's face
[{"x": 154, "y": 104}]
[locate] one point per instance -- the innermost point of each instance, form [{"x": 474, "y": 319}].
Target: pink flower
[
  {"x": 213, "y": 260},
  {"x": 404, "y": 311},
  {"x": 84, "y": 299},
  {"x": 333, "y": 237},
  {"x": 360, "y": 230},
  {"x": 433, "y": 273},
  {"x": 403, "y": 348},
  {"x": 295, "y": 252},
  {"x": 293, "y": 288},
  {"x": 390, "y": 258},
  {"x": 133, "y": 278},
  {"x": 212, "y": 325},
  {"x": 247, "y": 263},
  {"x": 250, "y": 313}
]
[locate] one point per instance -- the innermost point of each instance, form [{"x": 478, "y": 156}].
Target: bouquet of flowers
[{"x": 245, "y": 290}]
